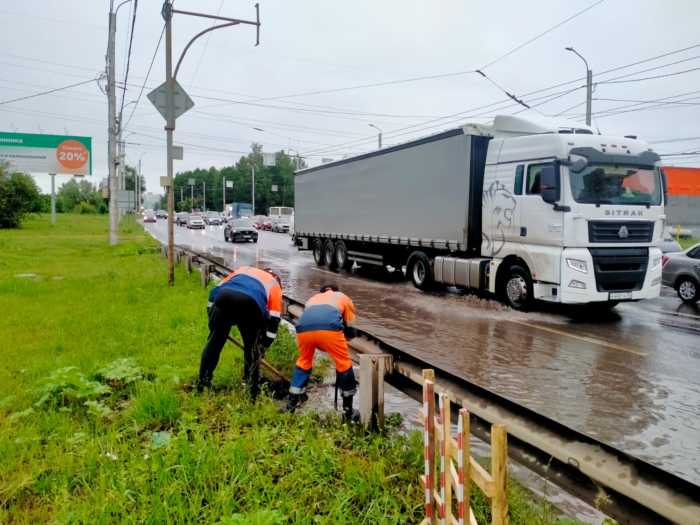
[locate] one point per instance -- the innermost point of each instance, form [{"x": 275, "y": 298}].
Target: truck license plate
[{"x": 616, "y": 296}]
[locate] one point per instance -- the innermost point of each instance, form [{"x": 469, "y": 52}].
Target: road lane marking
[{"x": 584, "y": 338}]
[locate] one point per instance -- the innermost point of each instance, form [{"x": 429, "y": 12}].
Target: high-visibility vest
[{"x": 326, "y": 311}]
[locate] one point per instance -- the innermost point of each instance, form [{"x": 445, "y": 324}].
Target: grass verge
[{"x": 97, "y": 424}]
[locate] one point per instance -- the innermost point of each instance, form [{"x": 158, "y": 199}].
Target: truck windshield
[{"x": 616, "y": 184}]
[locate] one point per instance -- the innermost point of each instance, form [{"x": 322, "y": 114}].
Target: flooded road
[{"x": 630, "y": 378}]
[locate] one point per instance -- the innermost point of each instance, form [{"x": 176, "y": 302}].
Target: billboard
[{"x": 34, "y": 153}]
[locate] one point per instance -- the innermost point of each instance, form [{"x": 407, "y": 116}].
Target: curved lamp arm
[{"x": 201, "y": 33}]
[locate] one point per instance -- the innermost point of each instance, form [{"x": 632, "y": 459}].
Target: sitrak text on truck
[{"x": 524, "y": 209}]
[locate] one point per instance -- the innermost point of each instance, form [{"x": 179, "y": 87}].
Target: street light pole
[
  {"x": 204, "y": 191},
  {"x": 252, "y": 169},
  {"x": 589, "y": 85},
  {"x": 167, "y": 12},
  {"x": 379, "y": 137},
  {"x": 169, "y": 128}
]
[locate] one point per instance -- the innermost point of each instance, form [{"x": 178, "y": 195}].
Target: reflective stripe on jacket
[
  {"x": 326, "y": 311},
  {"x": 259, "y": 285}
]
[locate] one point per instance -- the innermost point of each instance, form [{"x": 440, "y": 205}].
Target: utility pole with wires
[
  {"x": 111, "y": 128},
  {"x": 165, "y": 96},
  {"x": 589, "y": 85}
]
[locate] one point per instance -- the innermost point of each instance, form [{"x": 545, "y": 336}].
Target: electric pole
[
  {"x": 204, "y": 191},
  {"x": 223, "y": 192},
  {"x": 252, "y": 169},
  {"x": 112, "y": 131}
]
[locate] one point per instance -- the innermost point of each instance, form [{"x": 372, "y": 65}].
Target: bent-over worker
[
  {"x": 323, "y": 325},
  {"x": 251, "y": 299}
]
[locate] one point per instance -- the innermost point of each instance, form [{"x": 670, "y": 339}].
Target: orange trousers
[{"x": 332, "y": 342}]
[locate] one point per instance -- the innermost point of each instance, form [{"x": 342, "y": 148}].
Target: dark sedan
[{"x": 240, "y": 230}]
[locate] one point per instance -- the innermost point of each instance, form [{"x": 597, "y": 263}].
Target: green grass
[
  {"x": 688, "y": 242},
  {"x": 98, "y": 423}
]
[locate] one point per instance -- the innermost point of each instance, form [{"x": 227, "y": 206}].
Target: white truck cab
[{"x": 569, "y": 215}]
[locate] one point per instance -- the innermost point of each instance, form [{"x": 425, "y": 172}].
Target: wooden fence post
[
  {"x": 205, "y": 275},
  {"x": 368, "y": 389},
  {"x": 188, "y": 264},
  {"x": 463, "y": 474},
  {"x": 499, "y": 472},
  {"x": 428, "y": 446}
]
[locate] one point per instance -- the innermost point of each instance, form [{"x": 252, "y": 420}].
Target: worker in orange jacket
[
  {"x": 324, "y": 325},
  {"x": 251, "y": 299}
]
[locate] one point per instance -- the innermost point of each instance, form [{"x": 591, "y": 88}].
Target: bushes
[{"x": 19, "y": 196}]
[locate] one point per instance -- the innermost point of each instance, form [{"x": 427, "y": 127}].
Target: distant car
[
  {"x": 280, "y": 225},
  {"x": 181, "y": 218},
  {"x": 258, "y": 221},
  {"x": 681, "y": 271},
  {"x": 162, "y": 214},
  {"x": 213, "y": 218},
  {"x": 149, "y": 216},
  {"x": 669, "y": 244},
  {"x": 238, "y": 230},
  {"x": 195, "y": 222},
  {"x": 267, "y": 225}
]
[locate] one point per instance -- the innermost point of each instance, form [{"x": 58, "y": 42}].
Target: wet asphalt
[{"x": 629, "y": 378}]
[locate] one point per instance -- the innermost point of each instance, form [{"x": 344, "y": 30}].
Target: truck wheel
[
  {"x": 420, "y": 271},
  {"x": 516, "y": 288},
  {"x": 341, "y": 256},
  {"x": 329, "y": 254},
  {"x": 687, "y": 289},
  {"x": 319, "y": 254}
]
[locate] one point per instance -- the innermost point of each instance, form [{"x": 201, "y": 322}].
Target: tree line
[
  {"x": 20, "y": 195},
  {"x": 274, "y": 185}
]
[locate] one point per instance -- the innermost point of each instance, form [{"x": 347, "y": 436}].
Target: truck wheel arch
[{"x": 503, "y": 271}]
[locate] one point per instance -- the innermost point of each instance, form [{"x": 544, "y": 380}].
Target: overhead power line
[
  {"x": 543, "y": 33},
  {"x": 145, "y": 81},
  {"x": 666, "y": 75},
  {"x": 128, "y": 57},
  {"x": 42, "y": 93}
]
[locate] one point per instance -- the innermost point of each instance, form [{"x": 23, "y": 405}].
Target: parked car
[
  {"x": 149, "y": 216},
  {"x": 195, "y": 221},
  {"x": 162, "y": 214},
  {"x": 213, "y": 218},
  {"x": 238, "y": 230},
  {"x": 669, "y": 244},
  {"x": 181, "y": 218},
  {"x": 681, "y": 271}
]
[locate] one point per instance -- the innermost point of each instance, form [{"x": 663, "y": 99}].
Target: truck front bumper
[{"x": 578, "y": 279}]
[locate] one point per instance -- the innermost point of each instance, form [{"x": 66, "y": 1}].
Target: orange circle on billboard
[{"x": 71, "y": 154}]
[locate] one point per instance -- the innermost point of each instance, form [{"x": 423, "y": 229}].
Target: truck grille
[
  {"x": 620, "y": 269},
  {"x": 620, "y": 231}
]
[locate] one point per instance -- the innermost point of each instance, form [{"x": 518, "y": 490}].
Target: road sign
[
  {"x": 190, "y": 182},
  {"x": 229, "y": 184},
  {"x": 177, "y": 152},
  {"x": 274, "y": 187},
  {"x": 37, "y": 153},
  {"x": 126, "y": 200},
  {"x": 269, "y": 159},
  {"x": 181, "y": 100},
  {"x": 164, "y": 181}
]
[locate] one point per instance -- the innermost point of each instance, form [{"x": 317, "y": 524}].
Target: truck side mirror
[{"x": 550, "y": 184}]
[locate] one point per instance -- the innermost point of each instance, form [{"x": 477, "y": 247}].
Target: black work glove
[{"x": 349, "y": 332}]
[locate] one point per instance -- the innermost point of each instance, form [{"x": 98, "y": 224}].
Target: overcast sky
[{"x": 309, "y": 46}]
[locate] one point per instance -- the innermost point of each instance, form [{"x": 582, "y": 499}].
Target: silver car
[{"x": 682, "y": 272}]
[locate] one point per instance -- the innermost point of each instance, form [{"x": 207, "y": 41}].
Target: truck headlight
[
  {"x": 578, "y": 265},
  {"x": 577, "y": 284}
]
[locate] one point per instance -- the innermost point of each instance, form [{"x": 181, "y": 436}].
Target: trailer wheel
[
  {"x": 319, "y": 253},
  {"x": 341, "y": 256},
  {"x": 516, "y": 288},
  {"x": 420, "y": 270},
  {"x": 329, "y": 254}
]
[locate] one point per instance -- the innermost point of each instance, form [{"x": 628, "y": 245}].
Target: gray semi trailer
[{"x": 527, "y": 210}]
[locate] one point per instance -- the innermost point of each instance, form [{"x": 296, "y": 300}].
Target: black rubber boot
[
  {"x": 203, "y": 384},
  {"x": 294, "y": 402},
  {"x": 349, "y": 415}
]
